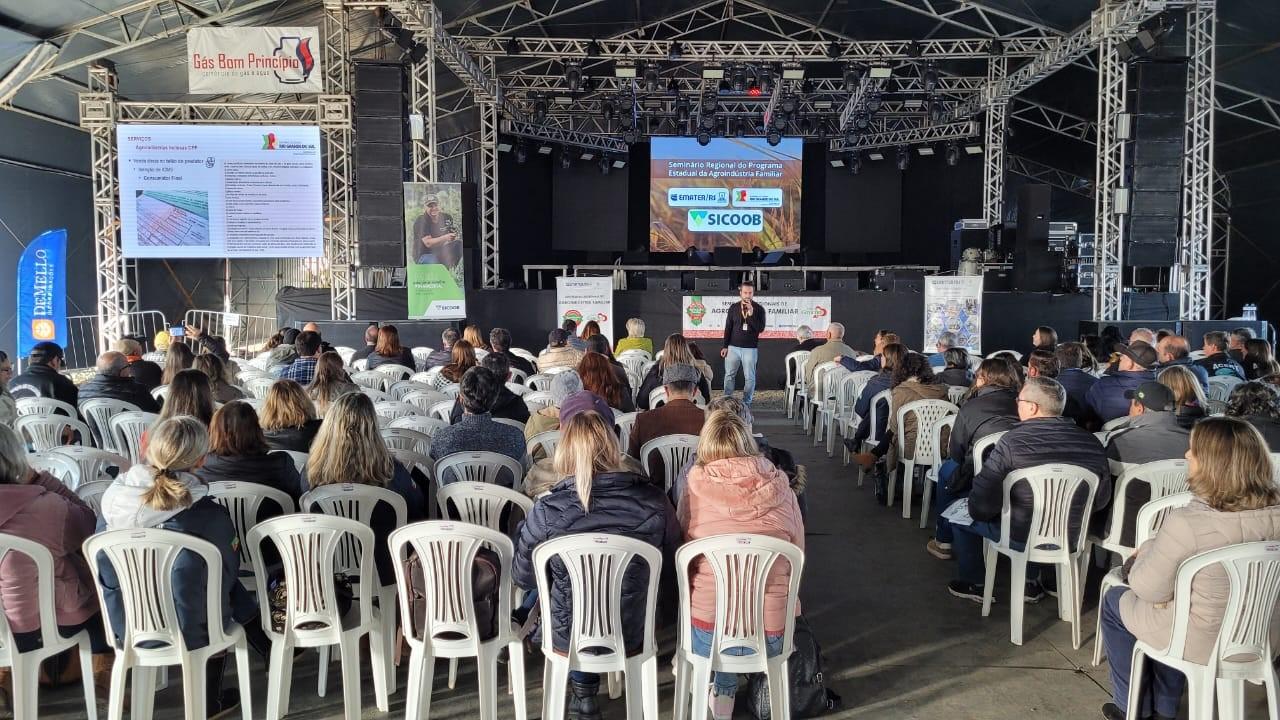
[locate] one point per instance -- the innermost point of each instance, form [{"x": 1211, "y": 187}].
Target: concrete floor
[{"x": 896, "y": 644}]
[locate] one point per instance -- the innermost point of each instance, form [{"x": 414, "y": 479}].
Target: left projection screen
[{"x": 209, "y": 191}]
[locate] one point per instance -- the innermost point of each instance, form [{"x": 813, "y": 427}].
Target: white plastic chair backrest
[
  {"x": 393, "y": 410},
  {"x": 40, "y": 556},
  {"x": 160, "y": 392},
  {"x": 596, "y": 564},
  {"x": 44, "y": 406},
  {"x": 517, "y": 389},
  {"x": 546, "y": 440},
  {"x": 538, "y": 399},
  {"x": 345, "y": 353},
  {"x": 481, "y": 503},
  {"x": 411, "y": 459},
  {"x": 407, "y": 439},
  {"x": 538, "y": 381},
  {"x": 624, "y": 423},
  {"x": 955, "y": 393},
  {"x": 512, "y": 422},
  {"x": 371, "y": 379},
  {"x": 675, "y": 451},
  {"x": 60, "y": 466},
  {"x": 420, "y": 355},
  {"x": 93, "y": 463},
  {"x": 418, "y": 423},
  {"x": 395, "y": 371},
  {"x": 442, "y": 410},
  {"x": 658, "y": 397},
  {"x": 850, "y": 388},
  {"x": 400, "y": 388},
  {"x": 518, "y": 376},
  {"x": 886, "y": 397},
  {"x": 155, "y": 356},
  {"x": 98, "y": 413},
  {"x": 360, "y": 365},
  {"x": 431, "y": 375},
  {"x": 1165, "y": 477},
  {"x": 557, "y": 370},
  {"x": 477, "y": 467},
  {"x": 143, "y": 561},
  {"x": 1220, "y": 386},
  {"x": 353, "y": 502},
  {"x": 451, "y": 390},
  {"x": 740, "y": 564},
  {"x": 243, "y": 500},
  {"x": 1053, "y": 487},
  {"x": 635, "y": 353},
  {"x": 1151, "y": 515},
  {"x": 127, "y": 428},
  {"x": 375, "y": 394},
  {"x": 794, "y": 362},
  {"x": 91, "y": 493},
  {"x": 45, "y": 432},
  {"x": 981, "y": 446},
  {"x": 298, "y": 457},
  {"x": 259, "y": 386},
  {"x": 829, "y": 384},
  {"x": 927, "y": 412},
  {"x": 1016, "y": 355},
  {"x": 819, "y": 373},
  {"x": 424, "y": 399},
  {"x": 312, "y": 549},
  {"x": 1115, "y": 424},
  {"x": 521, "y": 352},
  {"x": 447, "y": 551},
  {"x": 634, "y": 364},
  {"x": 426, "y": 377},
  {"x": 938, "y": 444},
  {"x": 1253, "y": 574}
]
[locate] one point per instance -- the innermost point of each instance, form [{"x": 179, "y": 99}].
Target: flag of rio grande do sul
[
  {"x": 254, "y": 60},
  {"x": 42, "y": 291}
]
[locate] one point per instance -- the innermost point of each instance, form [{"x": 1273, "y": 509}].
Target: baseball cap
[
  {"x": 291, "y": 335},
  {"x": 1141, "y": 353},
  {"x": 680, "y": 372},
  {"x": 557, "y": 337},
  {"x": 1153, "y": 396},
  {"x": 582, "y": 401},
  {"x": 433, "y": 200}
]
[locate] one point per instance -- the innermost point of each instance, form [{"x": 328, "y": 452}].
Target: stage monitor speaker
[
  {"x": 635, "y": 257},
  {"x": 1035, "y": 268},
  {"x": 997, "y": 280},
  {"x": 1194, "y": 330},
  {"x": 840, "y": 281},
  {"x": 898, "y": 280},
  {"x": 727, "y": 256},
  {"x": 667, "y": 282},
  {"x": 782, "y": 281},
  {"x": 1093, "y": 327},
  {"x": 711, "y": 282}
]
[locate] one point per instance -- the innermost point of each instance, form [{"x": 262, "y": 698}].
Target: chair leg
[
  {"x": 699, "y": 682},
  {"x": 421, "y": 678},
  {"x": 243, "y": 675},
  {"x": 115, "y": 699},
  {"x": 1273, "y": 696},
  {"x": 487, "y": 679},
  {"x": 1135, "y": 684},
  {"x": 194, "y": 680},
  {"x": 615, "y": 684},
  {"x": 1017, "y": 597},
  {"x": 1230, "y": 699},
  {"x": 86, "y": 677},
  {"x": 279, "y": 679},
  {"x": 389, "y": 638},
  {"x": 908, "y": 479},
  {"x": 515, "y": 678},
  {"x": 988, "y": 586},
  {"x": 349, "y": 657},
  {"x": 926, "y": 504},
  {"x": 453, "y": 672},
  {"x": 555, "y": 682},
  {"x": 892, "y": 488},
  {"x": 378, "y": 657},
  {"x": 1200, "y": 696},
  {"x": 1097, "y": 631},
  {"x": 322, "y": 675},
  {"x": 681, "y": 711},
  {"x": 1073, "y": 594},
  {"x": 26, "y": 687},
  {"x": 144, "y": 692},
  {"x": 779, "y": 690},
  {"x": 649, "y": 688}
]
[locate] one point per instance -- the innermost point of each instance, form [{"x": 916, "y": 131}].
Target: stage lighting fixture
[
  {"x": 789, "y": 103},
  {"x": 930, "y": 79},
  {"x": 630, "y": 135},
  {"x": 522, "y": 153},
  {"x": 904, "y": 158},
  {"x": 604, "y": 166},
  {"x": 806, "y": 86},
  {"x": 713, "y": 72},
  {"x": 836, "y": 162},
  {"x": 875, "y": 155},
  {"x": 937, "y": 111},
  {"x": 743, "y": 127},
  {"x": 673, "y": 87},
  {"x": 792, "y": 71},
  {"x": 573, "y": 76},
  {"x": 953, "y": 153},
  {"x": 861, "y": 120},
  {"x": 676, "y": 52},
  {"x": 539, "y": 109},
  {"x": 754, "y": 90},
  {"x": 619, "y": 164},
  {"x": 851, "y": 76},
  {"x": 704, "y": 137},
  {"x": 774, "y": 137},
  {"x": 780, "y": 122},
  {"x": 881, "y": 72},
  {"x": 764, "y": 78},
  {"x": 513, "y": 47},
  {"x": 850, "y": 136},
  {"x": 651, "y": 77},
  {"x": 833, "y": 49},
  {"x": 544, "y": 149},
  {"x": 709, "y": 104},
  {"x": 608, "y": 110},
  {"x": 997, "y": 47},
  {"x": 566, "y": 161},
  {"x": 972, "y": 149},
  {"x": 562, "y": 100},
  {"x": 624, "y": 69},
  {"x": 593, "y": 48},
  {"x": 805, "y": 125},
  {"x": 914, "y": 49},
  {"x": 707, "y": 122},
  {"x": 739, "y": 79},
  {"x": 925, "y": 150},
  {"x": 587, "y": 156},
  {"x": 682, "y": 108},
  {"x": 504, "y": 146},
  {"x": 855, "y": 162},
  {"x": 873, "y": 101}
]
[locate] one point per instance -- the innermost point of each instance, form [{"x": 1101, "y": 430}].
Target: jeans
[
  {"x": 1163, "y": 684},
  {"x": 726, "y": 684},
  {"x": 942, "y": 500},
  {"x": 966, "y": 548},
  {"x": 744, "y": 358},
  {"x": 25, "y": 642}
]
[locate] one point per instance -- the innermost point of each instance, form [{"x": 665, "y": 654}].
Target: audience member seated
[
  {"x": 620, "y": 502},
  {"x": 238, "y": 452},
  {"x": 471, "y": 334},
  {"x": 541, "y": 476},
  {"x": 349, "y": 449},
  {"x": 42, "y": 378},
  {"x": 833, "y": 348},
  {"x": 1107, "y": 345},
  {"x": 1106, "y": 399},
  {"x": 500, "y": 343},
  {"x": 37, "y": 507},
  {"x": 176, "y": 359},
  {"x": 889, "y": 357},
  {"x": 590, "y": 329},
  {"x": 700, "y": 362},
  {"x": 1259, "y": 405},
  {"x": 464, "y": 358},
  {"x": 1188, "y": 398},
  {"x": 991, "y": 406},
  {"x": 1216, "y": 361},
  {"x": 1152, "y": 433},
  {"x": 946, "y": 341},
  {"x": 204, "y": 343},
  {"x": 883, "y": 339},
  {"x": 288, "y": 417},
  {"x": 1235, "y": 501},
  {"x": 224, "y": 389},
  {"x": 508, "y": 404},
  {"x": 805, "y": 341},
  {"x": 1146, "y": 335},
  {"x": 548, "y": 418},
  {"x": 8, "y": 406},
  {"x": 370, "y": 343},
  {"x": 1237, "y": 341},
  {"x": 570, "y": 328},
  {"x": 732, "y": 489},
  {"x": 477, "y": 431},
  {"x": 303, "y": 368},
  {"x": 389, "y": 351},
  {"x": 675, "y": 351},
  {"x": 1175, "y": 351},
  {"x": 600, "y": 344},
  {"x": 955, "y": 368},
  {"x": 313, "y": 327},
  {"x": 189, "y": 394},
  {"x": 1258, "y": 360},
  {"x": 912, "y": 380},
  {"x": 443, "y": 356},
  {"x": 678, "y": 416},
  {"x": 635, "y": 339},
  {"x": 164, "y": 493},
  {"x": 598, "y": 376},
  {"x": 1075, "y": 373},
  {"x": 1043, "y": 363},
  {"x": 144, "y": 371},
  {"x": 279, "y": 349},
  {"x": 558, "y": 354},
  {"x": 1044, "y": 338},
  {"x": 114, "y": 383},
  {"x": 330, "y": 381},
  {"x": 1042, "y": 437}
]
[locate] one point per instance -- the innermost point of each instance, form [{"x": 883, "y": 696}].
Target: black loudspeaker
[
  {"x": 779, "y": 281},
  {"x": 380, "y": 116},
  {"x": 668, "y": 282},
  {"x": 1035, "y": 269},
  {"x": 727, "y": 256},
  {"x": 997, "y": 280},
  {"x": 710, "y": 282},
  {"x": 635, "y": 257},
  {"x": 1156, "y": 164},
  {"x": 840, "y": 281},
  {"x": 1194, "y": 330},
  {"x": 897, "y": 280}
]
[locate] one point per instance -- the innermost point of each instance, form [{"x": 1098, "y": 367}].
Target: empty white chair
[
  {"x": 375, "y": 394},
  {"x": 298, "y": 458},
  {"x": 97, "y": 415},
  {"x": 258, "y": 387},
  {"x": 25, "y": 667},
  {"x": 926, "y": 412},
  {"x": 674, "y": 451},
  {"x": 1165, "y": 477},
  {"x": 400, "y": 388},
  {"x": 595, "y": 564},
  {"x": 389, "y": 410},
  {"x": 442, "y": 410},
  {"x": 1220, "y": 387},
  {"x": 956, "y": 393},
  {"x": 395, "y": 372},
  {"x": 66, "y": 470},
  {"x": 423, "y": 399},
  {"x": 741, "y": 565},
  {"x": 825, "y": 419},
  {"x": 939, "y": 434},
  {"x": 46, "y": 432},
  {"x": 481, "y": 503},
  {"x": 624, "y": 423},
  {"x": 44, "y": 406},
  {"x": 372, "y": 379},
  {"x": 243, "y": 501},
  {"x": 484, "y": 467},
  {"x": 420, "y": 423},
  {"x": 91, "y": 493},
  {"x": 446, "y": 551},
  {"x": 143, "y": 562},
  {"x": 537, "y": 400},
  {"x": 546, "y": 442},
  {"x": 420, "y": 355},
  {"x": 406, "y": 439},
  {"x": 311, "y": 549},
  {"x": 1050, "y": 541},
  {"x": 538, "y": 381},
  {"x": 847, "y": 394},
  {"x": 127, "y": 428},
  {"x": 345, "y": 353},
  {"x": 93, "y": 463}
]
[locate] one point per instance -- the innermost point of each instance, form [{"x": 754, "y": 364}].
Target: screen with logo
[
  {"x": 738, "y": 192},
  {"x": 194, "y": 191}
]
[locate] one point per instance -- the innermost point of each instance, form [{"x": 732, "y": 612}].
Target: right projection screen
[{"x": 732, "y": 192}]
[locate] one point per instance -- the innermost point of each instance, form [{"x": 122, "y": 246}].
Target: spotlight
[
  {"x": 676, "y": 52},
  {"x": 937, "y": 112},
  {"x": 743, "y": 127},
  {"x": 904, "y": 158},
  {"x": 833, "y": 49},
  {"x": 673, "y": 87},
  {"x": 513, "y": 47},
  {"x": 930, "y": 79},
  {"x": 855, "y": 162},
  {"x": 861, "y": 120},
  {"x": 873, "y": 101},
  {"x": 539, "y": 109},
  {"x": 953, "y": 153},
  {"x": 780, "y": 122},
  {"x": 682, "y": 108},
  {"x": 914, "y": 49},
  {"x": 789, "y": 104},
  {"x": 608, "y": 110},
  {"x": 566, "y": 162},
  {"x": 704, "y": 137},
  {"x": 707, "y": 122},
  {"x": 709, "y": 104},
  {"x": 651, "y": 77},
  {"x": 573, "y": 76},
  {"x": 765, "y": 80},
  {"x": 774, "y": 137},
  {"x": 593, "y": 48},
  {"x": 544, "y": 149},
  {"x": 522, "y": 153},
  {"x": 851, "y": 76},
  {"x": 997, "y": 47},
  {"x": 739, "y": 79},
  {"x": 805, "y": 125},
  {"x": 604, "y": 166},
  {"x": 630, "y": 135}
]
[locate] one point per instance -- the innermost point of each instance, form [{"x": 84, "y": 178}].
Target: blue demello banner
[{"x": 42, "y": 291}]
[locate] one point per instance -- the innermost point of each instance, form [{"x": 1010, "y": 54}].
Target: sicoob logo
[
  {"x": 726, "y": 220},
  {"x": 300, "y": 49}
]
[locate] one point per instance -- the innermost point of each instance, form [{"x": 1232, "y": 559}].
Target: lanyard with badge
[{"x": 746, "y": 313}]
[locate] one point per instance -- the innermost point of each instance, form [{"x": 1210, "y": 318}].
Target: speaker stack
[
  {"x": 1158, "y": 126},
  {"x": 1035, "y": 267},
  {"x": 380, "y": 118}
]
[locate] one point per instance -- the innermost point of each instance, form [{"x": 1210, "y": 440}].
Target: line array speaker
[
  {"x": 380, "y": 108},
  {"x": 1156, "y": 170}
]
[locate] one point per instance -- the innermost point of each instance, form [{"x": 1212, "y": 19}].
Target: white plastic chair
[
  {"x": 442, "y": 410},
  {"x": 25, "y": 667},
  {"x": 546, "y": 441},
  {"x": 298, "y": 458},
  {"x": 1049, "y": 541},
  {"x": 420, "y": 423},
  {"x": 447, "y": 551},
  {"x": 143, "y": 561},
  {"x": 596, "y": 564},
  {"x": 1220, "y": 387},
  {"x": 360, "y": 365},
  {"x": 91, "y": 493},
  {"x": 519, "y": 376},
  {"x": 658, "y": 398},
  {"x": 484, "y": 467},
  {"x": 1243, "y": 651},
  {"x": 243, "y": 501},
  {"x": 420, "y": 355},
  {"x": 46, "y": 432},
  {"x": 61, "y": 467},
  {"x": 822, "y": 394},
  {"x": 345, "y": 353},
  {"x": 394, "y": 371},
  {"x": 258, "y": 387},
  {"x": 873, "y": 419},
  {"x": 431, "y": 376},
  {"x": 160, "y": 393},
  {"x": 1165, "y": 477},
  {"x": 674, "y": 450},
  {"x": 451, "y": 390},
  {"x": 375, "y": 394},
  {"x": 98, "y": 413},
  {"x": 625, "y": 423},
  {"x": 794, "y": 362},
  {"x": 400, "y": 388},
  {"x": 634, "y": 361},
  {"x": 741, "y": 565},
  {"x": 981, "y": 446},
  {"x": 406, "y": 439},
  {"x": 955, "y": 393},
  {"x": 372, "y": 379},
  {"x": 44, "y": 406},
  {"x": 799, "y": 399},
  {"x": 635, "y": 353},
  {"x": 537, "y": 400},
  {"x": 538, "y": 381},
  {"x": 1016, "y": 355},
  {"x": 481, "y": 503},
  {"x": 389, "y": 410},
  {"x": 423, "y": 399},
  {"x": 512, "y": 422},
  {"x": 311, "y": 548},
  {"x": 1114, "y": 424},
  {"x": 127, "y": 428},
  {"x": 927, "y": 412},
  {"x": 937, "y": 444},
  {"x": 256, "y": 403},
  {"x": 847, "y": 394},
  {"x": 92, "y": 462},
  {"x": 827, "y": 407}
]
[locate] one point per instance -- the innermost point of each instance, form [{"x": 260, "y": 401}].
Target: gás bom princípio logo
[
  {"x": 297, "y": 60},
  {"x": 696, "y": 310}
]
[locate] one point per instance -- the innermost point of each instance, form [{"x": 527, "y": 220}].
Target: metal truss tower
[
  {"x": 98, "y": 116},
  {"x": 490, "y": 119},
  {"x": 993, "y": 156},
  {"x": 1112, "y": 196},
  {"x": 335, "y": 125},
  {"x": 422, "y": 102}
]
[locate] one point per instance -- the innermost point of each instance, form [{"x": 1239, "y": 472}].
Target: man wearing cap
[
  {"x": 1152, "y": 433},
  {"x": 437, "y": 235},
  {"x": 558, "y": 353},
  {"x": 1106, "y": 399},
  {"x": 678, "y": 416},
  {"x": 42, "y": 378}
]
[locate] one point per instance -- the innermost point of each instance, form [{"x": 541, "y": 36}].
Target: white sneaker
[{"x": 721, "y": 706}]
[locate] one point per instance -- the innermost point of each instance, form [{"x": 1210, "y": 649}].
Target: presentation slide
[
  {"x": 737, "y": 192},
  {"x": 211, "y": 191}
]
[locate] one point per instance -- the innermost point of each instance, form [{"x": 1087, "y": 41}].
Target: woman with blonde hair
[
  {"x": 1235, "y": 501},
  {"x": 594, "y": 494},
  {"x": 733, "y": 489},
  {"x": 464, "y": 358},
  {"x": 675, "y": 351},
  {"x": 330, "y": 381},
  {"x": 635, "y": 339},
  {"x": 163, "y": 493},
  {"x": 473, "y": 336},
  {"x": 288, "y": 417},
  {"x": 1189, "y": 400},
  {"x": 220, "y": 381},
  {"x": 176, "y": 359}
]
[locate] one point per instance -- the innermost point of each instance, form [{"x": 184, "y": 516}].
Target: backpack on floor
[{"x": 809, "y": 696}]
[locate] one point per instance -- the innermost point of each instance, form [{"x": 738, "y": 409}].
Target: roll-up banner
[
  {"x": 42, "y": 291},
  {"x": 583, "y": 299},
  {"x": 953, "y": 304},
  {"x": 434, "y": 232}
]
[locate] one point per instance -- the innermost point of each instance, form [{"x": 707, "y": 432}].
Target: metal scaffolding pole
[
  {"x": 98, "y": 117},
  {"x": 489, "y": 125},
  {"x": 1193, "y": 273},
  {"x": 993, "y": 157},
  {"x": 422, "y": 102},
  {"x": 1111, "y": 199},
  {"x": 335, "y": 124}
]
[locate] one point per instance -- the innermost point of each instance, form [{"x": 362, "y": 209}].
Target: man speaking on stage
[{"x": 743, "y": 324}]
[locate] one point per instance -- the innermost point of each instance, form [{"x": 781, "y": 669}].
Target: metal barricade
[
  {"x": 245, "y": 334},
  {"x": 81, "y": 349}
]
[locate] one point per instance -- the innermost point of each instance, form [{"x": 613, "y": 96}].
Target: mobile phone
[{"x": 177, "y": 331}]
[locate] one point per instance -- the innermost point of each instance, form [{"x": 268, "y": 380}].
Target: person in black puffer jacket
[
  {"x": 113, "y": 383},
  {"x": 238, "y": 452},
  {"x": 43, "y": 377},
  {"x": 595, "y": 496},
  {"x": 955, "y": 370}
]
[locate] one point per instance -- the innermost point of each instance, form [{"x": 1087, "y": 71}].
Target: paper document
[{"x": 958, "y": 513}]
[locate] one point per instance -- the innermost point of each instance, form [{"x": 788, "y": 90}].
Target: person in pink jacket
[
  {"x": 732, "y": 489},
  {"x": 36, "y": 506}
]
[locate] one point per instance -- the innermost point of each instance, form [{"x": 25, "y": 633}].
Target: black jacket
[
  {"x": 653, "y": 380},
  {"x": 297, "y": 439},
  {"x": 147, "y": 373},
  {"x": 807, "y": 345},
  {"x": 516, "y": 362},
  {"x": 988, "y": 410},
  {"x": 275, "y": 470},
  {"x": 508, "y": 405},
  {"x": 43, "y": 381},
  {"x": 735, "y": 335},
  {"x": 622, "y": 503},
  {"x": 862, "y": 407},
  {"x": 1038, "y": 441},
  {"x": 362, "y": 353},
  {"x": 1221, "y": 365},
  {"x": 959, "y": 377},
  {"x": 114, "y": 387},
  {"x": 405, "y": 359}
]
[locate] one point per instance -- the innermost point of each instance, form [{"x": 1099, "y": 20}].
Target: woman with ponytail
[
  {"x": 163, "y": 493},
  {"x": 595, "y": 494}
]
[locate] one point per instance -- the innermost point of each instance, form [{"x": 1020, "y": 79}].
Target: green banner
[{"x": 434, "y": 234}]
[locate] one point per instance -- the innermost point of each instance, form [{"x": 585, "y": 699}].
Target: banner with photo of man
[{"x": 433, "y": 258}]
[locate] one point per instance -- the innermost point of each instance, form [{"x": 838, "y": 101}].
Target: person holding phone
[{"x": 743, "y": 324}]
